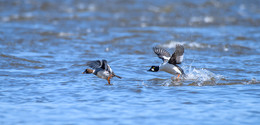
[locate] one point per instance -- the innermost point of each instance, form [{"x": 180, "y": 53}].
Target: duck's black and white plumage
[
  {"x": 170, "y": 62},
  {"x": 101, "y": 69}
]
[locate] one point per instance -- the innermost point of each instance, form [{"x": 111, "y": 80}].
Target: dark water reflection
[{"x": 44, "y": 46}]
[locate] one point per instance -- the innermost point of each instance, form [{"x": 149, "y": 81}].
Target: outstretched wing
[
  {"x": 99, "y": 64},
  {"x": 94, "y": 64},
  {"x": 162, "y": 53},
  {"x": 177, "y": 56}
]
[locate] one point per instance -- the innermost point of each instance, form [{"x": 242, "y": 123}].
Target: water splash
[
  {"x": 195, "y": 77},
  {"x": 172, "y": 82},
  {"x": 202, "y": 76}
]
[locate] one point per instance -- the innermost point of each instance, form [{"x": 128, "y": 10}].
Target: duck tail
[{"x": 118, "y": 76}]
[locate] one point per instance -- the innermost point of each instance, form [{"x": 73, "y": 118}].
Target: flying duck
[
  {"x": 169, "y": 64},
  {"x": 101, "y": 69}
]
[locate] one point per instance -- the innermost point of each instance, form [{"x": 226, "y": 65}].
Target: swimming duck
[
  {"x": 169, "y": 64},
  {"x": 101, "y": 69}
]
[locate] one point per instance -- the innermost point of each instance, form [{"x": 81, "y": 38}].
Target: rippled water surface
[{"x": 44, "y": 47}]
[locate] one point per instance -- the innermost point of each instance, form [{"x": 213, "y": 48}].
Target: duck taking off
[
  {"x": 101, "y": 69},
  {"x": 170, "y": 62}
]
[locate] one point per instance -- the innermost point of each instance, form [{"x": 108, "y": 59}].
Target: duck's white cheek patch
[{"x": 152, "y": 69}]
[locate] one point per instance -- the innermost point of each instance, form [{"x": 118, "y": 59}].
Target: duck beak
[{"x": 83, "y": 72}]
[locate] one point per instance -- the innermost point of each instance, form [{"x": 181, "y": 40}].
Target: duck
[
  {"x": 170, "y": 62},
  {"x": 101, "y": 69}
]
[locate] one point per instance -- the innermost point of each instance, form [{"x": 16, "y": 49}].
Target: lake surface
[{"x": 44, "y": 47}]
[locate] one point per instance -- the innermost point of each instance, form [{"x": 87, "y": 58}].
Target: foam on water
[
  {"x": 202, "y": 76},
  {"x": 194, "y": 45},
  {"x": 196, "y": 77}
]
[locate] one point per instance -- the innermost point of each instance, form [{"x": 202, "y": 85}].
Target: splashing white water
[
  {"x": 195, "y": 77},
  {"x": 202, "y": 76}
]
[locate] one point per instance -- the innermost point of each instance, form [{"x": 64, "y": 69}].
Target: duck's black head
[{"x": 154, "y": 69}]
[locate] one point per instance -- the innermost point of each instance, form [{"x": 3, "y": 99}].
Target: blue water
[{"x": 44, "y": 47}]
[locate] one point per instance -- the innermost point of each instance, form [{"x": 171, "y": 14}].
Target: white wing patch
[
  {"x": 179, "y": 59},
  {"x": 166, "y": 57}
]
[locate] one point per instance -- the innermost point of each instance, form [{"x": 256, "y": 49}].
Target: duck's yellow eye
[{"x": 153, "y": 67}]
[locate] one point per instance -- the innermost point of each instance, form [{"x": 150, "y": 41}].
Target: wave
[
  {"x": 191, "y": 45},
  {"x": 218, "y": 47}
]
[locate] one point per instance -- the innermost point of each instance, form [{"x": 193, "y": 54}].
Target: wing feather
[
  {"x": 99, "y": 64},
  {"x": 94, "y": 64},
  {"x": 162, "y": 53},
  {"x": 177, "y": 56}
]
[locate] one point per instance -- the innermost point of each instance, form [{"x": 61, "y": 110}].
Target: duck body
[
  {"x": 170, "y": 68},
  {"x": 101, "y": 73}
]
